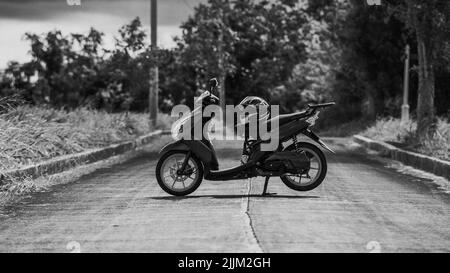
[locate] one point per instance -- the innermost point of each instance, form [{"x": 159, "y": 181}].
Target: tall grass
[
  {"x": 392, "y": 130},
  {"x": 32, "y": 134},
  {"x": 346, "y": 129}
]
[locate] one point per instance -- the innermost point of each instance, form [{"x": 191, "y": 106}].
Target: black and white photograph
[{"x": 223, "y": 132}]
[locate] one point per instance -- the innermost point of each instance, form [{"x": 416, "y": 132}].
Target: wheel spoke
[
  {"x": 313, "y": 172},
  {"x": 170, "y": 177},
  {"x": 179, "y": 163}
]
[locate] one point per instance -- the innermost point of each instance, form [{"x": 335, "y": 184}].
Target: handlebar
[{"x": 323, "y": 105}]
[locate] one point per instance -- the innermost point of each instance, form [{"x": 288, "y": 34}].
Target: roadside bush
[
  {"x": 392, "y": 130},
  {"x": 31, "y": 134}
]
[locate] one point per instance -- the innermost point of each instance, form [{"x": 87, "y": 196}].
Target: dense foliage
[{"x": 289, "y": 52}]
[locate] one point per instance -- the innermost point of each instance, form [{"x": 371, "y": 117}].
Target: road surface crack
[{"x": 256, "y": 243}]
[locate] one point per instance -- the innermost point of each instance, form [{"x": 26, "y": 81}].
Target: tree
[
  {"x": 76, "y": 70},
  {"x": 66, "y": 67},
  {"x": 252, "y": 45},
  {"x": 125, "y": 72},
  {"x": 208, "y": 41},
  {"x": 430, "y": 21},
  {"x": 132, "y": 37},
  {"x": 272, "y": 39},
  {"x": 366, "y": 43}
]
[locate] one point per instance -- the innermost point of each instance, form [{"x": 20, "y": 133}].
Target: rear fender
[{"x": 317, "y": 139}]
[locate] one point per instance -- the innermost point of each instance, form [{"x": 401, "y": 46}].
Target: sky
[{"x": 38, "y": 16}]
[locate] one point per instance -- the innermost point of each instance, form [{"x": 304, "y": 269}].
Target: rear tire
[
  {"x": 193, "y": 185},
  {"x": 310, "y": 149}
]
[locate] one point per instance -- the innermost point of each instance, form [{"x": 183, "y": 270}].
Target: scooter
[{"x": 301, "y": 166}]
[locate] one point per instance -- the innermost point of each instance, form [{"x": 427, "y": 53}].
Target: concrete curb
[
  {"x": 67, "y": 162},
  {"x": 419, "y": 161}
]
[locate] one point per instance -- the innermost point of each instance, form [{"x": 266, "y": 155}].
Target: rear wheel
[
  {"x": 169, "y": 178},
  {"x": 315, "y": 175}
]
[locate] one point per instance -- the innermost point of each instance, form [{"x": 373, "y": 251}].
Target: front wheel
[
  {"x": 315, "y": 175},
  {"x": 169, "y": 178}
]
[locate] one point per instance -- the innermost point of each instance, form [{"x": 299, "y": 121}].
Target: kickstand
[{"x": 266, "y": 183}]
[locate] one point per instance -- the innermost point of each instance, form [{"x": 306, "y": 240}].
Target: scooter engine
[{"x": 288, "y": 162}]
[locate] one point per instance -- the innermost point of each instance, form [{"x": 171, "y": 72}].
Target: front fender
[
  {"x": 174, "y": 146},
  {"x": 200, "y": 150}
]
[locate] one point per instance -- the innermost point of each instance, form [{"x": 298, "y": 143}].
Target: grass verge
[
  {"x": 402, "y": 135},
  {"x": 30, "y": 135}
]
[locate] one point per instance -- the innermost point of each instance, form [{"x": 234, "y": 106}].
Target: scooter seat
[{"x": 283, "y": 119}]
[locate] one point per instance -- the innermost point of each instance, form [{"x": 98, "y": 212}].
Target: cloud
[
  {"x": 13, "y": 47},
  {"x": 171, "y": 12},
  {"x": 39, "y": 16}
]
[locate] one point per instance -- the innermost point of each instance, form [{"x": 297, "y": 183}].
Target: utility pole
[
  {"x": 153, "y": 92},
  {"x": 222, "y": 73},
  {"x": 221, "y": 67},
  {"x": 405, "y": 106}
]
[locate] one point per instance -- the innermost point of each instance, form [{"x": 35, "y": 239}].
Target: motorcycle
[{"x": 184, "y": 164}]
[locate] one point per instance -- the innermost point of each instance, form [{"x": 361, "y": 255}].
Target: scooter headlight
[
  {"x": 177, "y": 127},
  {"x": 177, "y": 130}
]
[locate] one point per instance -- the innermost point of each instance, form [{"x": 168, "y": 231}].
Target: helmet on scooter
[{"x": 254, "y": 105}]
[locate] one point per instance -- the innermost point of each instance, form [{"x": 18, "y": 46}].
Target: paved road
[{"x": 123, "y": 209}]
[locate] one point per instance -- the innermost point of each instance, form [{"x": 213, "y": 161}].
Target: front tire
[
  {"x": 314, "y": 153},
  {"x": 170, "y": 181}
]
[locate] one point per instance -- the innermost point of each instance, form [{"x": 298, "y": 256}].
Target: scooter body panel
[
  {"x": 258, "y": 162},
  {"x": 203, "y": 150}
]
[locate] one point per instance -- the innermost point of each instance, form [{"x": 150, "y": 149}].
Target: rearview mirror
[{"x": 213, "y": 83}]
